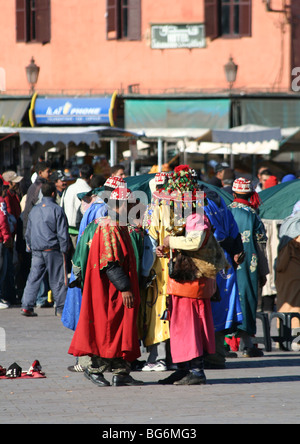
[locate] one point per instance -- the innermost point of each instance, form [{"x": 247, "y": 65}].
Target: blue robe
[
  {"x": 72, "y": 305},
  {"x": 227, "y": 313}
]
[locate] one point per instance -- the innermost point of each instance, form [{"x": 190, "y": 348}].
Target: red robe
[{"x": 106, "y": 327}]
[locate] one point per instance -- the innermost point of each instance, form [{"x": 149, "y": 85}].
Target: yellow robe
[{"x": 156, "y": 295}]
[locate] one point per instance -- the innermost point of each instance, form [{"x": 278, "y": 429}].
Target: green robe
[
  {"x": 252, "y": 232},
  {"x": 80, "y": 256}
]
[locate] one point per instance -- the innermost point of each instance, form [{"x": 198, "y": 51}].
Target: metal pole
[
  {"x": 113, "y": 149},
  {"x": 159, "y": 154},
  {"x": 132, "y": 167}
]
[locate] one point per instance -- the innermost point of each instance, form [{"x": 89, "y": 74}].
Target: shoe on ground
[
  {"x": 28, "y": 313},
  {"x": 192, "y": 379},
  {"x": 77, "y": 368},
  {"x": 252, "y": 353},
  {"x": 58, "y": 312},
  {"x": 158, "y": 366},
  {"x": 3, "y": 305},
  {"x": 96, "y": 378},
  {"x": 176, "y": 376},
  {"x": 121, "y": 380}
]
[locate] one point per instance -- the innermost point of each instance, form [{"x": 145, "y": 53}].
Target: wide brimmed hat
[{"x": 180, "y": 188}]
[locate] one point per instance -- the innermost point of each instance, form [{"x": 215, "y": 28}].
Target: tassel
[{"x": 255, "y": 200}]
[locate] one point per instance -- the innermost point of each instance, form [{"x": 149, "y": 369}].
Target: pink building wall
[{"x": 80, "y": 59}]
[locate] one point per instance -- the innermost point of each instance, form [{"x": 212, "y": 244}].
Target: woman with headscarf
[{"x": 287, "y": 266}]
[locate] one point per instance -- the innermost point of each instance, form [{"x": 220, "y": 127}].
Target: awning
[
  {"x": 74, "y": 110},
  {"x": 259, "y": 148},
  {"x": 246, "y": 133},
  {"x": 67, "y": 135},
  {"x": 271, "y": 112},
  {"x": 177, "y": 113},
  {"x": 290, "y": 139},
  {"x": 13, "y": 111},
  {"x": 55, "y": 135},
  {"x": 176, "y": 133},
  {"x": 246, "y": 139}
]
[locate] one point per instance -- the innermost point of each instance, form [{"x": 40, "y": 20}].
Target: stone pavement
[{"x": 249, "y": 391}]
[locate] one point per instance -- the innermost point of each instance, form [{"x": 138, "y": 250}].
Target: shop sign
[
  {"x": 169, "y": 36},
  {"x": 70, "y": 111}
]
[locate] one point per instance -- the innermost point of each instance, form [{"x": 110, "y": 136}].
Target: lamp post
[
  {"x": 230, "y": 72},
  {"x": 32, "y": 72}
]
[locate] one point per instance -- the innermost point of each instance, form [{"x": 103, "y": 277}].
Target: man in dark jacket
[
  {"x": 33, "y": 193},
  {"x": 34, "y": 196},
  {"x": 47, "y": 238}
]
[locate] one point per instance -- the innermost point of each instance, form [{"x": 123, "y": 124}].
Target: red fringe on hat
[
  {"x": 255, "y": 200},
  {"x": 181, "y": 168}
]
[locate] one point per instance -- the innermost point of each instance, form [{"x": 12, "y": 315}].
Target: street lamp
[
  {"x": 32, "y": 72},
  {"x": 230, "y": 72}
]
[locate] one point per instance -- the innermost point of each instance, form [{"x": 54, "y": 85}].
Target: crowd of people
[{"x": 181, "y": 275}]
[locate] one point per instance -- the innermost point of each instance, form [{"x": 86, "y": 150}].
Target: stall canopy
[
  {"x": 176, "y": 133},
  {"x": 67, "y": 135},
  {"x": 290, "y": 139},
  {"x": 246, "y": 134},
  {"x": 246, "y": 139}
]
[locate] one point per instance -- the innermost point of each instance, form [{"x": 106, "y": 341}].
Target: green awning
[
  {"x": 283, "y": 113},
  {"x": 177, "y": 113}
]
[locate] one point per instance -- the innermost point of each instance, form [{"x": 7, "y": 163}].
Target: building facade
[
  {"x": 150, "y": 46},
  {"x": 165, "y": 59}
]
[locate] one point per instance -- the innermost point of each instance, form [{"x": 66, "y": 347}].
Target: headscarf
[{"x": 271, "y": 182}]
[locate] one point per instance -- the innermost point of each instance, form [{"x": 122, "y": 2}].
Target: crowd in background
[{"x": 17, "y": 199}]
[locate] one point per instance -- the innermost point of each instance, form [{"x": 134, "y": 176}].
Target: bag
[
  {"x": 182, "y": 268},
  {"x": 202, "y": 288}
]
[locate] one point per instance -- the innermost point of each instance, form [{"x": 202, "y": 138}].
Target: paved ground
[{"x": 249, "y": 391}]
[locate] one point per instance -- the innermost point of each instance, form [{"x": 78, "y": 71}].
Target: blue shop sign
[{"x": 74, "y": 111}]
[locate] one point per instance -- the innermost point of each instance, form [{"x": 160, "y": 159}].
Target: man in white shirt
[{"x": 70, "y": 202}]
